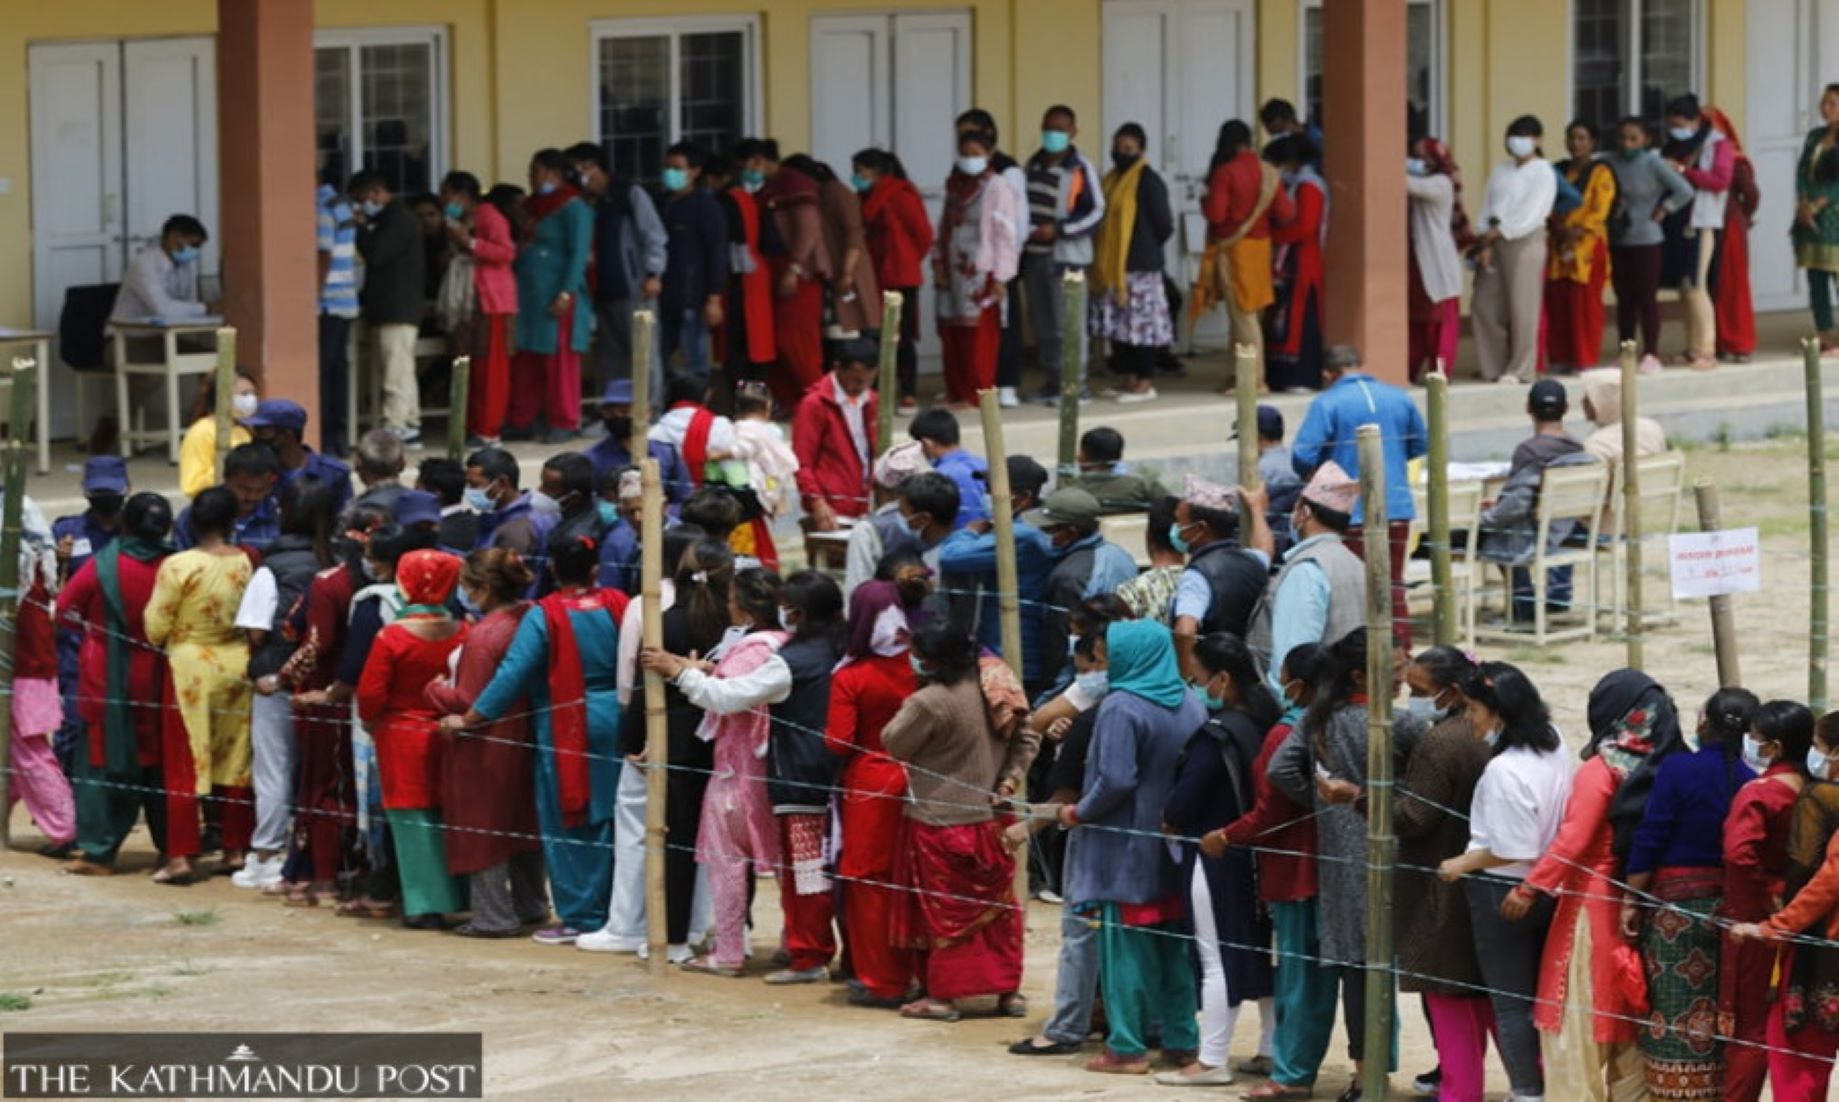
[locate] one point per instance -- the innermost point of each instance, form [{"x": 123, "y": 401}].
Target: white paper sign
[{"x": 1713, "y": 564}]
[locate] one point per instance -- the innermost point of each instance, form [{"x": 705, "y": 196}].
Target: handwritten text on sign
[{"x": 1712, "y": 564}]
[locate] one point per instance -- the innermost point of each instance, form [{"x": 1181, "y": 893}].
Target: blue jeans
[
  {"x": 1557, "y": 591},
  {"x": 1076, "y": 984},
  {"x": 684, "y": 331}
]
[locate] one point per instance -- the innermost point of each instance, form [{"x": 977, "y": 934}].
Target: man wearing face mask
[
  {"x": 1224, "y": 580},
  {"x": 1066, "y": 203},
  {"x": 279, "y": 423},
  {"x": 967, "y": 559},
  {"x": 1320, "y": 593},
  {"x": 105, "y": 485},
  {"x": 395, "y": 261},
  {"x": 696, "y": 271},
  {"x": 887, "y": 528},
  {"x": 1088, "y": 565},
  {"x": 613, "y": 452},
  {"x": 506, "y": 516},
  {"x": 162, "y": 280},
  {"x": 630, "y": 258}
]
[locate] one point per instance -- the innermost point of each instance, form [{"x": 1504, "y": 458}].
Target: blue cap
[
  {"x": 417, "y": 507},
  {"x": 1270, "y": 423},
  {"x": 619, "y": 392},
  {"x": 105, "y": 474},
  {"x": 280, "y": 413}
]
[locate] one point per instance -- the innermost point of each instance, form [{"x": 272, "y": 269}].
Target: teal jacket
[{"x": 555, "y": 260}]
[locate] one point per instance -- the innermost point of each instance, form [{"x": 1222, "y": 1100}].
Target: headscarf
[
  {"x": 117, "y": 753},
  {"x": 1140, "y": 657},
  {"x": 1633, "y": 727},
  {"x": 1437, "y": 158},
  {"x": 1722, "y": 124},
  {"x": 877, "y": 622},
  {"x": 540, "y": 207},
  {"x": 427, "y": 579}
]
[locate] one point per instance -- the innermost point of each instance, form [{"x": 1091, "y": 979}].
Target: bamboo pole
[
  {"x": 1631, "y": 502},
  {"x": 1008, "y": 599},
  {"x": 1382, "y": 844},
  {"x": 1817, "y": 592},
  {"x": 887, "y": 382},
  {"x": 13, "y": 457},
  {"x": 1723, "y": 624},
  {"x": 1442, "y": 581},
  {"x": 642, "y": 397},
  {"x": 1245, "y": 392},
  {"x": 657, "y": 737},
  {"x": 225, "y": 388},
  {"x": 1072, "y": 368},
  {"x": 459, "y": 392}
]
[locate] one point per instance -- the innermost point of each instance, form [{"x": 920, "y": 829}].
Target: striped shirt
[{"x": 338, "y": 236}]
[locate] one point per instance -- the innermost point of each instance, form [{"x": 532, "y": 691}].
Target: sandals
[
  {"x": 176, "y": 879},
  {"x": 1275, "y": 1090},
  {"x": 709, "y": 966},
  {"x": 83, "y": 866},
  {"x": 1013, "y": 1005},
  {"x": 929, "y": 1010},
  {"x": 364, "y": 908}
]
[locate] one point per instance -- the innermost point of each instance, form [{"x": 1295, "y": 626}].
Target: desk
[
  {"x": 40, "y": 340},
  {"x": 172, "y": 364}
]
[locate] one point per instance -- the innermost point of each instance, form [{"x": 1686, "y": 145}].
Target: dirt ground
[{"x": 125, "y": 954}]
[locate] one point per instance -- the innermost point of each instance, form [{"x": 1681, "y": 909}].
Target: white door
[
  {"x": 1782, "y": 103},
  {"x": 1178, "y": 68},
  {"x": 896, "y": 82},
  {"x": 170, "y": 130}
]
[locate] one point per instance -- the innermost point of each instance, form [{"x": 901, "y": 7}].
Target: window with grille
[
  {"x": 1423, "y": 66},
  {"x": 380, "y": 104},
  {"x": 1629, "y": 57},
  {"x": 658, "y": 82}
]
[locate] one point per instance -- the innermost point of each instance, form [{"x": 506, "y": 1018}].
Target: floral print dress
[{"x": 193, "y": 615}]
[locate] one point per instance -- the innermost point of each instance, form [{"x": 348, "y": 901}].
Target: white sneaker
[
  {"x": 606, "y": 941},
  {"x": 676, "y": 954},
  {"x": 1007, "y": 399},
  {"x": 1134, "y": 397},
  {"x": 258, "y": 873}
]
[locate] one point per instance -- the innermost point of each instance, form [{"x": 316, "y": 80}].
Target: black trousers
[{"x": 334, "y": 383}]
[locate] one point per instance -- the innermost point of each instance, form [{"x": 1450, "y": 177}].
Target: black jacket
[
  {"x": 799, "y": 768},
  {"x": 394, "y": 262},
  {"x": 1155, "y": 224},
  {"x": 1237, "y": 579},
  {"x": 293, "y": 562},
  {"x": 698, "y": 251}
]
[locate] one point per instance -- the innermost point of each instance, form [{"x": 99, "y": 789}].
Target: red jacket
[
  {"x": 829, "y": 466},
  {"x": 1282, "y": 831},
  {"x": 493, "y": 254},
  {"x": 899, "y": 233}
]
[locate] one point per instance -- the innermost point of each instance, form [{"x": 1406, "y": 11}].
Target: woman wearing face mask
[
  {"x": 855, "y": 298},
  {"x": 1129, "y": 306},
  {"x": 1436, "y": 945},
  {"x": 1578, "y": 265},
  {"x": 1293, "y": 338},
  {"x": 1755, "y": 862},
  {"x": 1803, "y": 1029},
  {"x": 1675, "y": 879},
  {"x": 1586, "y": 1018},
  {"x": 974, "y": 257},
  {"x": 737, "y": 834},
  {"x": 1648, "y": 190},
  {"x": 1708, "y": 162},
  {"x": 1213, "y": 787},
  {"x": 801, "y": 770},
  {"x": 554, "y": 315},
  {"x": 485, "y": 251},
  {"x": 1519, "y": 802},
  {"x": 1510, "y": 257},
  {"x": 1816, "y": 216},
  {"x": 198, "y": 448},
  {"x": 899, "y": 237},
  {"x": 488, "y": 776},
  {"x": 1439, "y": 227}
]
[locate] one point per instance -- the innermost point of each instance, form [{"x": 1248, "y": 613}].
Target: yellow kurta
[
  {"x": 193, "y": 615},
  {"x": 198, "y": 454},
  {"x": 1591, "y": 222}
]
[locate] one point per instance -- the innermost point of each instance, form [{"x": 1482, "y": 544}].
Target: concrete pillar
[
  {"x": 265, "y": 155},
  {"x": 1363, "y": 62}
]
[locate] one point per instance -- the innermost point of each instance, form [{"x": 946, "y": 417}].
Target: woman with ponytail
[{"x": 1675, "y": 884}]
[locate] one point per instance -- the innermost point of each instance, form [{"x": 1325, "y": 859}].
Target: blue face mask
[
  {"x": 454, "y": 211},
  {"x": 371, "y": 207},
  {"x": 467, "y": 604},
  {"x": 752, "y": 177},
  {"x": 547, "y": 187},
  {"x": 478, "y": 500},
  {"x": 860, "y": 182},
  {"x": 1093, "y": 683},
  {"x": 919, "y": 668},
  {"x": 608, "y": 515},
  {"x": 675, "y": 179},
  {"x": 185, "y": 254},
  {"x": 1214, "y": 703},
  {"x": 1682, "y": 133},
  {"x": 1175, "y": 539},
  {"x": 1056, "y": 141},
  {"x": 1414, "y": 166}
]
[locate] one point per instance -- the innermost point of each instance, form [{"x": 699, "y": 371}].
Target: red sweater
[
  {"x": 1276, "y": 822},
  {"x": 829, "y": 466},
  {"x": 899, "y": 233},
  {"x": 1232, "y": 195},
  {"x": 393, "y": 703}
]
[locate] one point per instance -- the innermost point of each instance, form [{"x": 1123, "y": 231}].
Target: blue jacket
[
  {"x": 255, "y": 531},
  {"x": 966, "y": 470},
  {"x": 1335, "y": 417},
  {"x": 1130, "y": 776},
  {"x": 972, "y": 556},
  {"x": 619, "y": 558},
  {"x": 612, "y": 455},
  {"x": 329, "y": 471}
]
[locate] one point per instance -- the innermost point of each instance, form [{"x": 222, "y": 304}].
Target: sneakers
[
  {"x": 910, "y": 406},
  {"x": 1136, "y": 397},
  {"x": 1428, "y": 1084},
  {"x": 675, "y": 954},
  {"x": 555, "y": 436},
  {"x": 1650, "y": 365},
  {"x": 410, "y": 437},
  {"x": 1007, "y": 398},
  {"x": 556, "y": 935},
  {"x": 1049, "y": 896},
  {"x": 258, "y": 873},
  {"x": 606, "y": 941},
  {"x": 1211, "y": 1077}
]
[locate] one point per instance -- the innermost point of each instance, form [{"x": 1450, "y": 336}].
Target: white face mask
[
  {"x": 1093, "y": 683},
  {"x": 243, "y": 405},
  {"x": 1752, "y": 754},
  {"x": 1521, "y": 145},
  {"x": 1414, "y": 166},
  {"x": 543, "y": 505},
  {"x": 1819, "y": 766},
  {"x": 1492, "y": 737},
  {"x": 973, "y": 166},
  {"x": 1682, "y": 133},
  {"x": 785, "y": 619},
  {"x": 1424, "y": 708}
]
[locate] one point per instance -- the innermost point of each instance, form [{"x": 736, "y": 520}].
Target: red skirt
[
  {"x": 1575, "y": 313},
  {"x": 959, "y": 908}
]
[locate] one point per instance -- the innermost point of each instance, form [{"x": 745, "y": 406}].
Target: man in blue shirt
[
  {"x": 1352, "y": 399},
  {"x": 253, "y": 474},
  {"x": 337, "y": 246},
  {"x": 614, "y": 451},
  {"x": 1224, "y": 581},
  {"x": 968, "y": 558},
  {"x": 280, "y": 423},
  {"x": 1088, "y": 564},
  {"x": 937, "y": 433},
  {"x": 1320, "y": 593},
  {"x": 105, "y": 484}
]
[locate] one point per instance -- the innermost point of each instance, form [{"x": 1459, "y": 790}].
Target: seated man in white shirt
[{"x": 162, "y": 280}]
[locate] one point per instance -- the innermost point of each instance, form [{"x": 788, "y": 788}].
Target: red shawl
[
  {"x": 540, "y": 207},
  {"x": 568, "y": 693},
  {"x": 696, "y": 440},
  {"x": 757, "y": 285}
]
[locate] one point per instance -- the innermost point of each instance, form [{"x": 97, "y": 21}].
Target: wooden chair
[
  {"x": 1565, "y": 493},
  {"x": 1467, "y": 573},
  {"x": 1661, "y": 500}
]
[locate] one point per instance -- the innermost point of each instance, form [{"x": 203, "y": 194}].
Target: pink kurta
[
  {"x": 737, "y": 828},
  {"x": 1577, "y": 870}
]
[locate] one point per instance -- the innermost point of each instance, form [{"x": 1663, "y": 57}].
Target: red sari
[{"x": 1730, "y": 276}]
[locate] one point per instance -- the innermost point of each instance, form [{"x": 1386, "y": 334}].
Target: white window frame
[
  {"x": 435, "y": 38},
  {"x": 600, "y": 30},
  {"x": 1631, "y": 60},
  {"x": 1439, "y": 60}
]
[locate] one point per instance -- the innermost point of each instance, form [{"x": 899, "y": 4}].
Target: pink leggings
[
  {"x": 1463, "y": 1024},
  {"x": 42, "y": 785}
]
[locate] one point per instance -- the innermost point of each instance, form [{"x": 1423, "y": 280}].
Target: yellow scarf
[{"x": 1112, "y": 263}]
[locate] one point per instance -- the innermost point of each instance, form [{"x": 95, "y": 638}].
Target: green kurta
[
  {"x": 1816, "y": 180},
  {"x": 555, "y": 260}
]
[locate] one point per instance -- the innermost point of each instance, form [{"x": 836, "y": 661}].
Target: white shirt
[
  {"x": 260, "y": 596},
  {"x": 675, "y": 425},
  {"x": 632, "y": 635},
  {"x": 1519, "y": 803},
  {"x": 1433, "y": 198},
  {"x": 155, "y": 287},
  {"x": 1521, "y": 197},
  {"x": 852, "y": 416}
]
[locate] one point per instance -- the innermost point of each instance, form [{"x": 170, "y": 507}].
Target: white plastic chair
[
  {"x": 1661, "y": 500},
  {"x": 1565, "y": 493}
]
